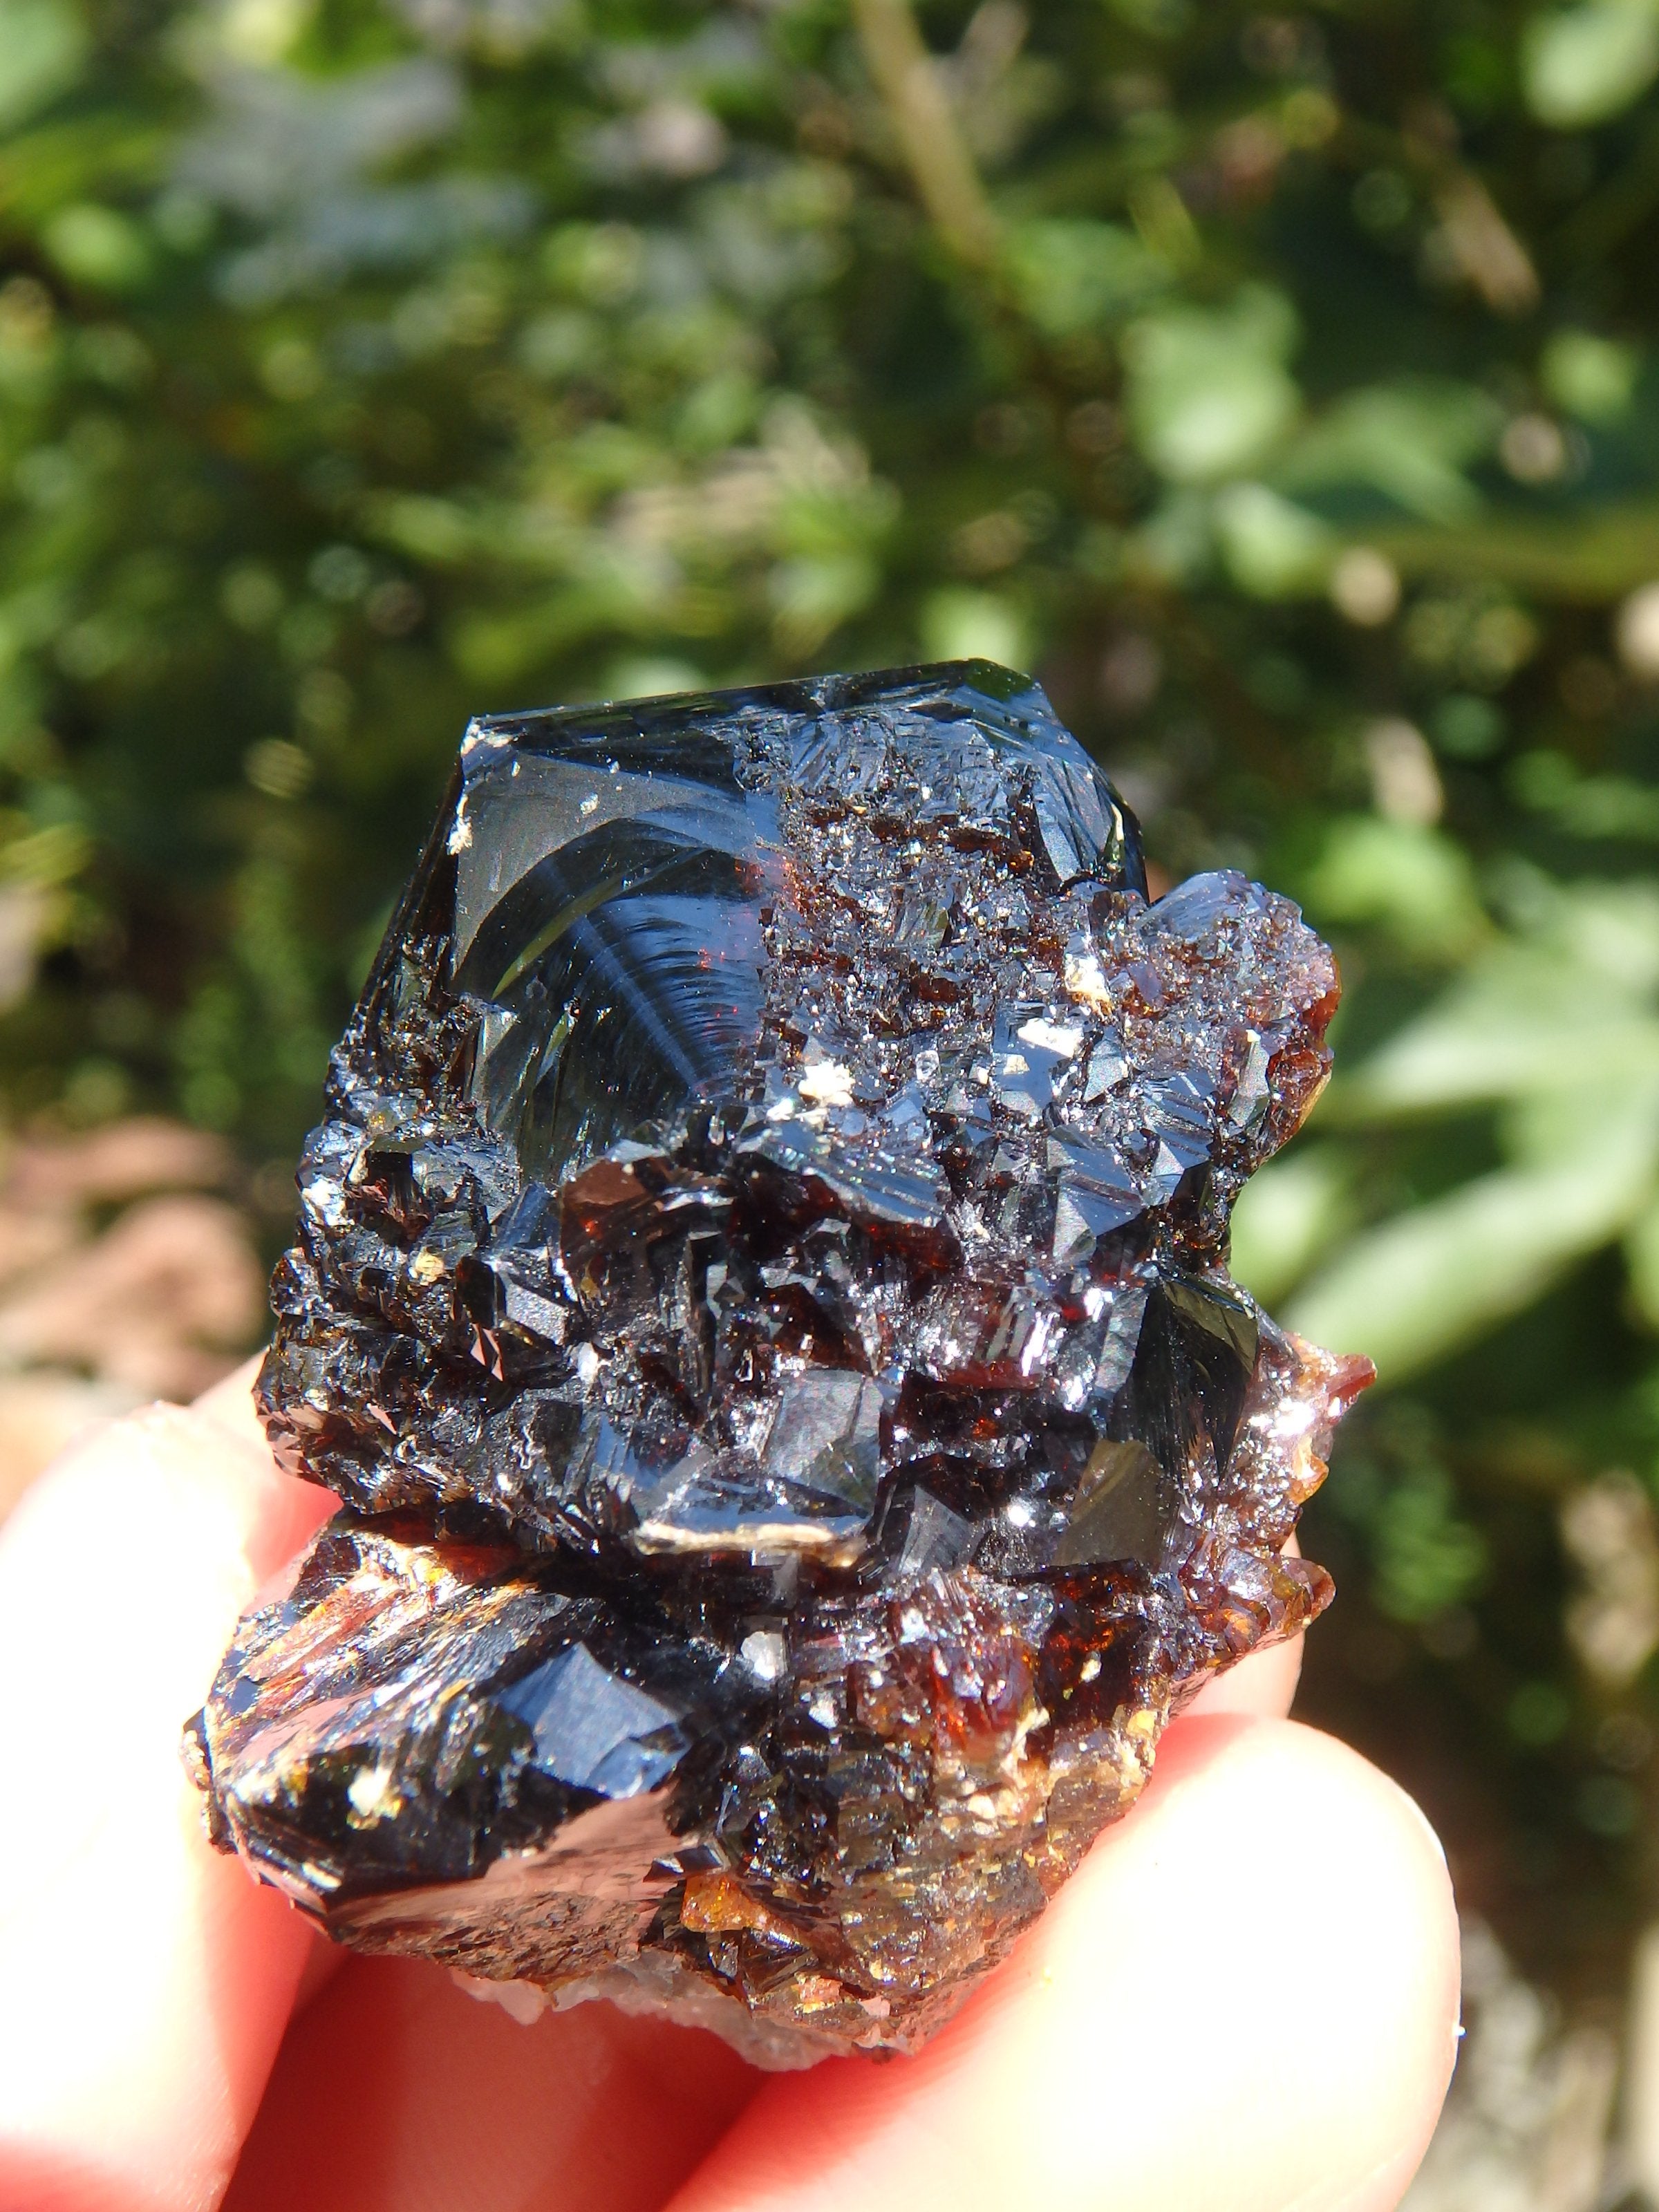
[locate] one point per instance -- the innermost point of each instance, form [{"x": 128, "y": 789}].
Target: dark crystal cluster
[{"x": 761, "y": 1299}]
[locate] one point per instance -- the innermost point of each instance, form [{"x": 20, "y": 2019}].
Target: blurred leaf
[
  {"x": 1429, "y": 1280},
  {"x": 1642, "y": 1254},
  {"x": 1272, "y": 548},
  {"x": 1288, "y": 1213},
  {"x": 1069, "y": 274},
  {"x": 1569, "y": 1004},
  {"x": 1411, "y": 442},
  {"x": 1209, "y": 393},
  {"x": 1411, "y": 881},
  {"x": 1175, "y": 544},
  {"x": 96, "y": 247},
  {"x": 1591, "y": 377},
  {"x": 814, "y": 594},
  {"x": 1607, "y": 807},
  {"x": 1590, "y": 557},
  {"x": 1584, "y": 63},
  {"x": 52, "y": 853},
  {"x": 965, "y": 625},
  {"x": 42, "y": 48},
  {"x": 435, "y": 530}
]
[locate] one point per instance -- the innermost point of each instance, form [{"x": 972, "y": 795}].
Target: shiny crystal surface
[{"x": 760, "y": 1296}]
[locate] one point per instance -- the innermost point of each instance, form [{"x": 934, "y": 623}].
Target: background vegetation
[{"x": 1282, "y": 387}]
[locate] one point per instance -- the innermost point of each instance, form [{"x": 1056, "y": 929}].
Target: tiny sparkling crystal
[{"x": 760, "y": 1296}]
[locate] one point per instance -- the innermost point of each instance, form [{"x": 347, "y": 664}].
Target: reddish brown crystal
[{"x": 760, "y": 1296}]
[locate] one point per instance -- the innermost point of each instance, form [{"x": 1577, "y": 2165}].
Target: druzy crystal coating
[{"x": 760, "y": 1296}]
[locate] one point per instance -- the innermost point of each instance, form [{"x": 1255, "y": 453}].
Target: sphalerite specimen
[{"x": 761, "y": 1299}]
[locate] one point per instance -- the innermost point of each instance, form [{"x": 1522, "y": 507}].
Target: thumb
[{"x": 148, "y": 1979}]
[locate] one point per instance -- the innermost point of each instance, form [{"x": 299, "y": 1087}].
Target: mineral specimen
[{"x": 760, "y": 1296}]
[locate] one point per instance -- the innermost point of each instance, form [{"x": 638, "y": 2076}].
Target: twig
[
  {"x": 1482, "y": 248},
  {"x": 929, "y": 137},
  {"x": 1486, "y": 249}
]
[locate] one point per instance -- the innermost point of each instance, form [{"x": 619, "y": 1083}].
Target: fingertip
[
  {"x": 1319, "y": 1934},
  {"x": 1262, "y": 1685},
  {"x": 229, "y": 1403},
  {"x": 290, "y": 1510},
  {"x": 1246, "y": 1996}
]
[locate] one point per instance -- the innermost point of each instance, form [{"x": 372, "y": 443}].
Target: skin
[{"x": 1247, "y": 1997}]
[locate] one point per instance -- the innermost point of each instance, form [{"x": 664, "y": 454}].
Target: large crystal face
[{"x": 760, "y": 1296}]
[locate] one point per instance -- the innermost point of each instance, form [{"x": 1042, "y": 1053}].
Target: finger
[
  {"x": 1247, "y": 1997},
  {"x": 396, "y": 2092},
  {"x": 147, "y": 1978},
  {"x": 229, "y": 1404}
]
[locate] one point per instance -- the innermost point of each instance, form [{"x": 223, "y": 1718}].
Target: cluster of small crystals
[{"x": 761, "y": 1296}]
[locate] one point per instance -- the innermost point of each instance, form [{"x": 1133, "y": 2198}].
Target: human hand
[{"x": 1245, "y": 2001}]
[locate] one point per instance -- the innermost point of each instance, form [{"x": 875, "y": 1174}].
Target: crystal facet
[{"x": 760, "y": 1296}]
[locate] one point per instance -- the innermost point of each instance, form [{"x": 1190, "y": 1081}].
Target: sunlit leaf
[
  {"x": 1287, "y": 1215},
  {"x": 1272, "y": 548},
  {"x": 965, "y": 625},
  {"x": 1412, "y": 441},
  {"x": 1410, "y": 880},
  {"x": 1587, "y": 63},
  {"x": 42, "y": 47},
  {"x": 1547, "y": 1013},
  {"x": 1416, "y": 1287},
  {"x": 99, "y": 247},
  {"x": 1210, "y": 394},
  {"x": 813, "y": 594},
  {"x": 1590, "y": 376}
]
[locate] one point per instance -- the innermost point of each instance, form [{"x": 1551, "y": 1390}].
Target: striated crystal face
[{"x": 760, "y": 1296}]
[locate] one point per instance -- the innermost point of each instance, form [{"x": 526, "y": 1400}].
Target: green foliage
[{"x": 1281, "y": 387}]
